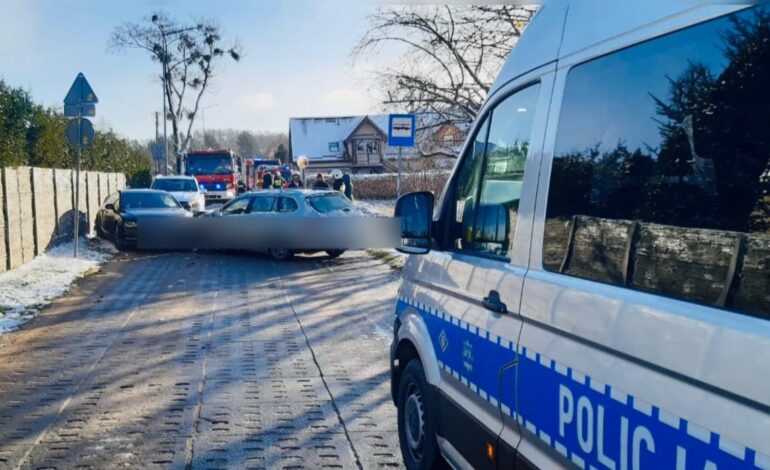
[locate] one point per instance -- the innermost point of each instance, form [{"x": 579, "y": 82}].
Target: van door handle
[{"x": 492, "y": 302}]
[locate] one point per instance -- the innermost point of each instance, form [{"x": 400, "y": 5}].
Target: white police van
[{"x": 593, "y": 286}]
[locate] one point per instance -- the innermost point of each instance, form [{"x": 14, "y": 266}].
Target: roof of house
[{"x": 312, "y": 136}]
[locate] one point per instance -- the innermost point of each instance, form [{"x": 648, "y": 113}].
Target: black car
[{"x": 118, "y": 217}]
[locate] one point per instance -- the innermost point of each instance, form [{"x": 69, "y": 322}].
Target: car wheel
[
  {"x": 119, "y": 237},
  {"x": 280, "y": 254},
  {"x": 334, "y": 253},
  {"x": 416, "y": 420}
]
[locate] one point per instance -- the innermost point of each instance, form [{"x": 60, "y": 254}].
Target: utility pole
[
  {"x": 165, "y": 118},
  {"x": 157, "y": 135}
]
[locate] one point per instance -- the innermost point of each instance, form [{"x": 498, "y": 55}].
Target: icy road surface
[{"x": 183, "y": 360}]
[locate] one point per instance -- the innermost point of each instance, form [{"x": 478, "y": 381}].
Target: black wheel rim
[{"x": 414, "y": 422}]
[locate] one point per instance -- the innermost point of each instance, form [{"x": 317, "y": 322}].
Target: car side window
[
  {"x": 661, "y": 173},
  {"x": 263, "y": 204},
  {"x": 287, "y": 204},
  {"x": 489, "y": 192},
  {"x": 238, "y": 206}
]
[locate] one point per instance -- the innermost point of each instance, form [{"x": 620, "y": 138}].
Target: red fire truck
[{"x": 217, "y": 171}]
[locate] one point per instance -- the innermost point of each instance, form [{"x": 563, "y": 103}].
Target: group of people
[
  {"x": 339, "y": 182},
  {"x": 275, "y": 180}
]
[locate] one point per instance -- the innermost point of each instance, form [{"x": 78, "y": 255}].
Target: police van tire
[{"x": 417, "y": 420}]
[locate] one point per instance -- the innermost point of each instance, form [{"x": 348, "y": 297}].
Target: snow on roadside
[
  {"x": 26, "y": 289},
  {"x": 377, "y": 207},
  {"x": 383, "y": 208}
]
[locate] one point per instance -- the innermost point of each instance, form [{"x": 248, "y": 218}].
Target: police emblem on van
[{"x": 443, "y": 342}]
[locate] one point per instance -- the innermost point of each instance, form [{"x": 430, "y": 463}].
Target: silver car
[
  {"x": 185, "y": 190},
  {"x": 290, "y": 204}
]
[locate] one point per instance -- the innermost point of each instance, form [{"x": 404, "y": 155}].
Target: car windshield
[
  {"x": 327, "y": 203},
  {"x": 147, "y": 201},
  {"x": 174, "y": 184},
  {"x": 209, "y": 165}
]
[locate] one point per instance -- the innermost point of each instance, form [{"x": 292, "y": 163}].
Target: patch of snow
[
  {"x": 377, "y": 207},
  {"x": 26, "y": 289}
]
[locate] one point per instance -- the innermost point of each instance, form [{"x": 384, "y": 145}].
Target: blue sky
[{"x": 296, "y": 59}]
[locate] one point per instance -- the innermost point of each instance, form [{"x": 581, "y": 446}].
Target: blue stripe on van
[{"x": 590, "y": 423}]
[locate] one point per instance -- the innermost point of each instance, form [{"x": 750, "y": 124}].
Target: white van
[{"x": 593, "y": 286}]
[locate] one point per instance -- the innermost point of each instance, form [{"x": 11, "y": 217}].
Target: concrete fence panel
[
  {"x": 85, "y": 227},
  {"x": 104, "y": 188},
  {"x": 13, "y": 218},
  {"x": 113, "y": 179},
  {"x": 27, "y": 220},
  {"x": 3, "y": 226},
  {"x": 45, "y": 208},
  {"x": 64, "y": 217},
  {"x": 36, "y": 209},
  {"x": 92, "y": 200},
  {"x": 121, "y": 180}
]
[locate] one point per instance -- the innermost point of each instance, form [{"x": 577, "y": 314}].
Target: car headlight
[{"x": 129, "y": 224}]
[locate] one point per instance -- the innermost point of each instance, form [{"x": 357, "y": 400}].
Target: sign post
[
  {"x": 401, "y": 128},
  {"x": 79, "y": 102}
]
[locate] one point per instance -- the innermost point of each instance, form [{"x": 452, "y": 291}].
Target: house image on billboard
[{"x": 359, "y": 144}]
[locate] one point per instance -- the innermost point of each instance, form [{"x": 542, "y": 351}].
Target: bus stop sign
[{"x": 401, "y": 130}]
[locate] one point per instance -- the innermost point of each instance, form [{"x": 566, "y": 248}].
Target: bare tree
[
  {"x": 453, "y": 54},
  {"x": 188, "y": 54}
]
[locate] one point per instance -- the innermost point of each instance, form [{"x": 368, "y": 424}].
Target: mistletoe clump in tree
[{"x": 188, "y": 54}]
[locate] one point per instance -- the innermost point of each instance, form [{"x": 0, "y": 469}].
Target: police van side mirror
[{"x": 416, "y": 213}]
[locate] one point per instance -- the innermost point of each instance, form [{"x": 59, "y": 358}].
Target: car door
[
  {"x": 237, "y": 207},
  {"x": 263, "y": 206},
  {"x": 468, "y": 290},
  {"x": 286, "y": 207}
]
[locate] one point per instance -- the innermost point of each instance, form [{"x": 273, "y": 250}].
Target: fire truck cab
[{"x": 217, "y": 172}]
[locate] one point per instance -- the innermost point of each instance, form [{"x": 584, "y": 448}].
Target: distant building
[{"x": 359, "y": 144}]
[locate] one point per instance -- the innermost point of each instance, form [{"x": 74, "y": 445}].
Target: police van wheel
[{"x": 416, "y": 420}]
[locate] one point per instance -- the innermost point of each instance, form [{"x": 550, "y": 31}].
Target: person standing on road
[
  {"x": 319, "y": 182},
  {"x": 267, "y": 180},
  {"x": 348, "y": 186},
  {"x": 277, "y": 180},
  {"x": 337, "y": 180},
  {"x": 296, "y": 181}
]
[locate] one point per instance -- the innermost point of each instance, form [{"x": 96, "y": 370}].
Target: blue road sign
[
  {"x": 401, "y": 128},
  {"x": 80, "y": 135},
  {"x": 80, "y": 92},
  {"x": 75, "y": 110}
]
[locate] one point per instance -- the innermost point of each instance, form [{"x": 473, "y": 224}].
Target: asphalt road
[{"x": 184, "y": 360}]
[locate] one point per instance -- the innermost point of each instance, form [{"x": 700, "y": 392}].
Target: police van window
[
  {"x": 661, "y": 177},
  {"x": 506, "y": 154},
  {"x": 466, "y": 191},
  {"x": 490, "y": 180}
]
